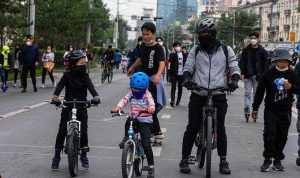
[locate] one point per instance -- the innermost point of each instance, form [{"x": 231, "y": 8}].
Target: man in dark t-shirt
[{"x": 152, "y": 59}]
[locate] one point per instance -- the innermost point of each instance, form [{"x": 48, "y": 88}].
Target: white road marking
[
  {"x": 48, "y": 146},
  {"x": 169, "y": 107},
  {"x": 293, "y": 134},
  {"x": 156, "y": 151},
  {"x": 166, "y": 116},
  {"x": 109, "y": 119}
]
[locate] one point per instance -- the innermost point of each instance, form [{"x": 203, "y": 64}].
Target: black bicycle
[
  {"x": 72, "y": 147},
  {"x": 206, "y": 139},
  {"x": 107, "y": 72}
]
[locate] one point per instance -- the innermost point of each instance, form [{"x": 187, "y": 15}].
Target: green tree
[{"x": 244, "y": 22}]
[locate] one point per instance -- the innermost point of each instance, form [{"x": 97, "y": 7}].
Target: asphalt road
[{"x": 27, "y": 138}]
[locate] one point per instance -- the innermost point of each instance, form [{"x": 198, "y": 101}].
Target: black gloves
[
  {"x": 233, "y": 84},
  {"x": 95, "y": 100},
  {"x": 56, "y": 102},
  {"x": 187, "y": 83}
]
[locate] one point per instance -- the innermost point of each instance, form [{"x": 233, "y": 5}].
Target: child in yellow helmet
[{"x": 5, "y": 63}]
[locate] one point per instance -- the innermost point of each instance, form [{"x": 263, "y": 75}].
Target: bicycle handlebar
[
  {"x": 66, "y": 104},
  {"x": 122, "y": 113},
  {"x": 221, "y": 89}
]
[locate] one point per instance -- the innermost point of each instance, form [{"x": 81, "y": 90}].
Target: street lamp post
[{"x": 31, "y": 17}]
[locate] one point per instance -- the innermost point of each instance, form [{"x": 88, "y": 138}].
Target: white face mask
[
  {"x": 71, "y": 49},
  {"x": 253, "y": 42},
  {"x": 28, "y": 43},
  {"x": 140, "y": 43},
  {"x": 8, "y": 51},
  {"x": 48, "y": 51},
  {"x": 161, "y": 43},
  {"x": 282, "y": 70},
  {"x": 291, "y": 53},
  {"x": 178, "y": 49}
]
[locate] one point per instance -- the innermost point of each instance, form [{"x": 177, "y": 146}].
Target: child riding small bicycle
[
  {"x": 141, "y": 100},
  {"x": 76, "y": 82}
]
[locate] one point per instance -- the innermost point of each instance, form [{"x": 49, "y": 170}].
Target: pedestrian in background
[
  {"x": 124, "y": 62},
  {"x": 134, "y": 55},
  {"x": 48, "y": 66},
  {"x": 254, "y": 62},
  {"x": 69, "y": 48},
  {"x": 17, "y": 68},
  {"x": 5, "y": 63},
  {"x": 279, "y": 84},
  {"x": 118, "y": 56},
  {"x": 29, "y": 60},
  {"x": 297, "y": 71},
  {"x": 177, "y": 60}
]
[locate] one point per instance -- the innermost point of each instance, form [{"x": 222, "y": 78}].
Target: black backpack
[{"x": 225, "y": 50}]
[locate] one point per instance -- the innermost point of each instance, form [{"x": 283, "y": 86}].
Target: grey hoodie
[{"x": 211, "y": 72}]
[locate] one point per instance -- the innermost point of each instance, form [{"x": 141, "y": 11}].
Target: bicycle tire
[
  {"x": 201, "y": 156},
  {"x": 73, "y": 149},
  {"x": 110, "y": 77},
  {"x": 127, "y": 161},
  {"x": 103, "y": 76},
  {"x": 138, "y": 166},
  {"x": 208, "y": 146}
]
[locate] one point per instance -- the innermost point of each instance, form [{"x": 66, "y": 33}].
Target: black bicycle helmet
[
  {"x": 206, "y": 25},
  {"x": 73, "y": 58}
]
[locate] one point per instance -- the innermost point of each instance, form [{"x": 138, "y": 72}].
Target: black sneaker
[
  {"x": 266, "y": 166},
  {"x": 298, "y": 161},
  {"x": 172, "y": 103},
  {"x": 177, "y": 103},
  {"x": 84, "y": 162},
  {"x": 23, "y": 91},
  {"x": 224, "y": 167},
  {"x": 277, "y": 166},
  {"x": 122, "y": 143},
  {"x": 150, "y": 172},
  {"x": 55, "y": 164},
  {"x": 184, "y": 166}
]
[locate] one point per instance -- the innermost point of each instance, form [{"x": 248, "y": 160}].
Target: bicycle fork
[{"x": 210, "y": 112}]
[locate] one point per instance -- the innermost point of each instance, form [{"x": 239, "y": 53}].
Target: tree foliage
[{"x": 244, "y": 23}]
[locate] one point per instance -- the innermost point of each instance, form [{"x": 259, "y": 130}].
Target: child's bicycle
[
  {"x": 133, "y": 153},
  {"x": 72, "y": 148},
  {"x": 206, "y": 139}
]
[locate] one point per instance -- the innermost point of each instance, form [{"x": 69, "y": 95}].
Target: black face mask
[
  {"x": 208, "y": 41},
  {"x": 79, "y": 70}
]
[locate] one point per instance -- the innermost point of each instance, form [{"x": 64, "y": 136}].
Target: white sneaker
[
  {"x": 54, "y": 84},
  {"x": 43, "y": 86},
  {"x": 14, "y": 85}
]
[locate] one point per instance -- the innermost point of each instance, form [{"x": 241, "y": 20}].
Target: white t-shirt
[{"x": 180, "y": 63}]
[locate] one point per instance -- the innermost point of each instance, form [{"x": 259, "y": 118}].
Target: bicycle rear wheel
[
  {"x": 208, "y": 146},
  {"x": 72, "y": 146},
  {"x": 110, "y": 77},
  {"x": 127, "y": 161},
  {"x": 103, "y": 76}
]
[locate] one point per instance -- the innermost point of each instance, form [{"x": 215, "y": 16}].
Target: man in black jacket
[
  {"x": 254, "y": 62},
  {"x": 177, "y": 60}
]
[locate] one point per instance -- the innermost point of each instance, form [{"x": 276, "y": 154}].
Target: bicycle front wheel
[
  {"x": 127, "y": 162},
  {"x": 110, "y": 77},
  {"x": 208, "y": 146},
  {"x": 103, "y": 76},
  {"x": 72, "y": 146}
]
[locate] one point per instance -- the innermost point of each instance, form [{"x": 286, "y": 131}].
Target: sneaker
[
  {"x": 172, "y": 103},
  {"x": 84, "y": 162},
  {"x": 298, "y": 161},
  {"x": 23, "y": 91},
  {"x": 35, "y": 89},
  {"x": 184, "y": 166},
  {"x": 224, "y": 167},
  {"x": 266, "y": 166},
  {"x": 177, "y": 103},
  {"x": 54, "y": 84},
  {"x": 55, "y": 163},
  {"x": 151, "y": 172},
  {"x": 277, "y": 166},
  {"x": 42, "y": 86},
  {"x": 14, "y": 85},
  {"x": 122, "y": 143}
]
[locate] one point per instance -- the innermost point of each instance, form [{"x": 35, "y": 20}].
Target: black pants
[
  {"x": 44, "y": 72},
  {"x": 66, "y": 114},
  {"x": 176, "y": 79},
  {"x": 156, "y": 125},
  {"x": 276, "y": 128},
  {"x": 298, "y": 130},
  {"x": 5, "y": 76},
  {"x": 16, "y": 72},
  {"x": 195, "y": 120},
  {"x": 31, "y": 69},
  {"x": 145, "y": 130}
]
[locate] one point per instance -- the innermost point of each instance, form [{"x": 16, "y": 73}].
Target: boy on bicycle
[
  {"x": 141, "y": 100},
  {"x": 279, "y": 83},
  {"x": 77, "y": 82}
]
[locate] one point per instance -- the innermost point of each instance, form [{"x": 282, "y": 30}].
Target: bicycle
[
  {"x": 107, "y": 72},
  {"x": 133, "y": 153},
  {"x": 206, "y": 139},
  {"x": 72, "y": 147}
]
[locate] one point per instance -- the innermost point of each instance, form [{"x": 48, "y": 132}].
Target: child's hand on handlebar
[
  {"x": 55, "y": 101},
  {"x": 151, "y": 110},
  {"x": 116, "y": 109}
]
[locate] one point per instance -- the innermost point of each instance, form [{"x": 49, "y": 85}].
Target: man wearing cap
[
  {"x": 279, "y": 83},
  {"x": 29, "y": 60}
]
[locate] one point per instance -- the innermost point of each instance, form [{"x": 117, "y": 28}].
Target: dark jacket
[
  {"x": 29, "y": 55},
  {"x": 262, "y": 63},
  {"x": 10, "y": 59},
  {"x": 109, "y": 55},
  {"x": 133, "y": 57},
  {"x": 173, "y": 59}
]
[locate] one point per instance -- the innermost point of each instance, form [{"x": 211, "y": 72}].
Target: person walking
[
  {"x": 177, "y": 60},
  {"x": 48, "y": 66},
  {"x": 134, "y": 55},
  {"x": 5, "y": 63},
  {"x": 253, "y": 63},
  {"x": 16, "y": 64},
  {"x": 29, "y": 60}
]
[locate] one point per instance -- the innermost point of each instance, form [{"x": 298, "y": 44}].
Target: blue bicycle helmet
[{"x": 139, "y": 80}]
